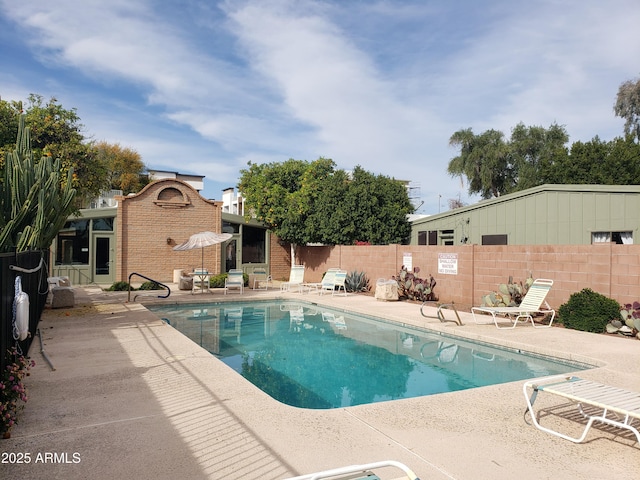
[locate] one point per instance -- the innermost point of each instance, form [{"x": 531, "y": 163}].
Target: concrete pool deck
[{"x": 132, "y": 397}]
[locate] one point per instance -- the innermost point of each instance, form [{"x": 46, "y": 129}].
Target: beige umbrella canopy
[{"x": 201, "y": 240}]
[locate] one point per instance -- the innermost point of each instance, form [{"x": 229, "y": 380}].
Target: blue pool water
[{"x": 315, "y": 357}]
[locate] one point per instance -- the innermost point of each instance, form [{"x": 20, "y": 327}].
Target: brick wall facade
[
  {"x": 162, "y": 215},
  {"x": 613, "y": 270}
]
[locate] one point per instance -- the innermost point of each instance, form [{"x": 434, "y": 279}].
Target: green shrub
[
  {"x": 149, "y": 285},
  {"x": 119, "y": 287},
  {"x": 217, "y": 281},
  {"x": 588, "y": 311}
]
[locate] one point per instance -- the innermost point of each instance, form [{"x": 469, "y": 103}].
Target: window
[
  {"x": 253, "y": 245},
  {"x": 446, "y": 237},
  {"x": 228, "y": 227},
  {"x": 428, "y": 238},
  {"x": 620, "y": 238},
  {"x": 500, "y": 239},
  {"x": 73, "y": 243},
  {"x": 103, "y": 224}
]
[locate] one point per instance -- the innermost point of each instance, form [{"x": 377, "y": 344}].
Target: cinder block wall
[
  {"x": 613, "y": 270},
  {"x": 162, "y": 215}
]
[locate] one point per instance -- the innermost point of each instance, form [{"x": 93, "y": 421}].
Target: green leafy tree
[
  {"x": 597, "y": 162},
  {"x": 303, "y": 202},
  {"x": 124, "y": 167},
  {"x": 627, "y": 106},
  {"x": 533, "y": 147},
  {"x": 484, "y": 160},
  {"x": 56, "y": 132}
]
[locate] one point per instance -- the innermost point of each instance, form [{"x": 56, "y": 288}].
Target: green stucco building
[{"x": 543, "y": 215}]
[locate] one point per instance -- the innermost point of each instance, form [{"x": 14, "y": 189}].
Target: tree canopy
[
  {"x": 56, "y": 132},
  {"x": 305, "y": 202},
  {"x": 627, "y": 106},
  {"x": 535, "y": 155}
]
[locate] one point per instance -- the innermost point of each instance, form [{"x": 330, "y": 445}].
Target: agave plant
[{"x": 356, "y": 282}]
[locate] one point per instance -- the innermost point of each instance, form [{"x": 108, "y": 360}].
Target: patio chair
[
  {"x": 340, "y": 278},
  {"x": 235, "y": 279},
  {"x": 261, "y": 279},
  {"x": 296, "y": 279},
  {"x": 328, "y": 280},
  {"x": 531, "y": 304},
  {"x": 603, "y": 402}
]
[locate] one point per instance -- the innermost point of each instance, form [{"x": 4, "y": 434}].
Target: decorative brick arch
[{"x": 162, "y": 215}]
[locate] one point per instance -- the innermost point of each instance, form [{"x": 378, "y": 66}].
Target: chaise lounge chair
[
  {"x": 606, "y": 400},
  {"x": 334, "y": 284},
  {"x": 365, "y": 471},
  {"x": 531, "y": 304},
  {"x": 328, "y": 281},
  {"x": 296, "y": 279}
]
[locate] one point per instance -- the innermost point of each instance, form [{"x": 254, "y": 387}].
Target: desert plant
[
  {"x": 35, "y": 198},
  {"x": 412, "y": 287},
  {"x": 629, "y": 321},
  {"x": 356, "y": 282},
  {"x": 509, "y": 294},
  {"x": 588, "y": 311}
]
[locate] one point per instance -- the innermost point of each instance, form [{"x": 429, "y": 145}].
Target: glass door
[{"x": 103, "y": 265}]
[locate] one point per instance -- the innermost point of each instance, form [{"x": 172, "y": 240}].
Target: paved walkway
[{"x": 130, "y": 397}]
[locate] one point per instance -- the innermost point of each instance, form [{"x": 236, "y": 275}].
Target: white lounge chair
[
  {"x": 360, "y": 471},
  {"x": 339, "y": 277},
  {"x": 531, "y": 304},
  {"x": 296, "y": 279},
  {"x": 328, "y": 281},
  {"x": 608, "y": 401},
  {"x": 235, "y": 279}
]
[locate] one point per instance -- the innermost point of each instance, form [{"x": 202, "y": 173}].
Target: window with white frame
[{"x": 621, "y": 238}]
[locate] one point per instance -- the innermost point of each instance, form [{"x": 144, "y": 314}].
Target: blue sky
[{"x": 203, "y": 87}]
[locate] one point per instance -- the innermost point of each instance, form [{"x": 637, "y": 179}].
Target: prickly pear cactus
[
  {"x": 412, "y": 287},
  {"x": 509, "y": 294},
  {"x": 630, "y": 321}
]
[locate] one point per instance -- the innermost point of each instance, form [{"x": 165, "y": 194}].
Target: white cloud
[{"x": 204, "y": 87}]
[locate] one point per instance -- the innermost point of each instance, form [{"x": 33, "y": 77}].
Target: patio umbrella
[{"x": 201, "y": 240}]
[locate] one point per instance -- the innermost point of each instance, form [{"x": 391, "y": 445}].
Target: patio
[{"x": 134, "y": 398}]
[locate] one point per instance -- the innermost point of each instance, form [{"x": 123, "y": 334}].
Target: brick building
[{"x": 137, "y": 233}]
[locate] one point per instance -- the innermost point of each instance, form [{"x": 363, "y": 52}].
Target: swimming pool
[{"x": 312, "y": 356}]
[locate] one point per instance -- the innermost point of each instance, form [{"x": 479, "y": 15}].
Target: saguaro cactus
[{"x": 35, "y": 200}]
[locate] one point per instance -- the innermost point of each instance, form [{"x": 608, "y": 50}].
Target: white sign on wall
[
  {"x": 407, "y": 261},
  {"x": 448, "y": 263}
]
